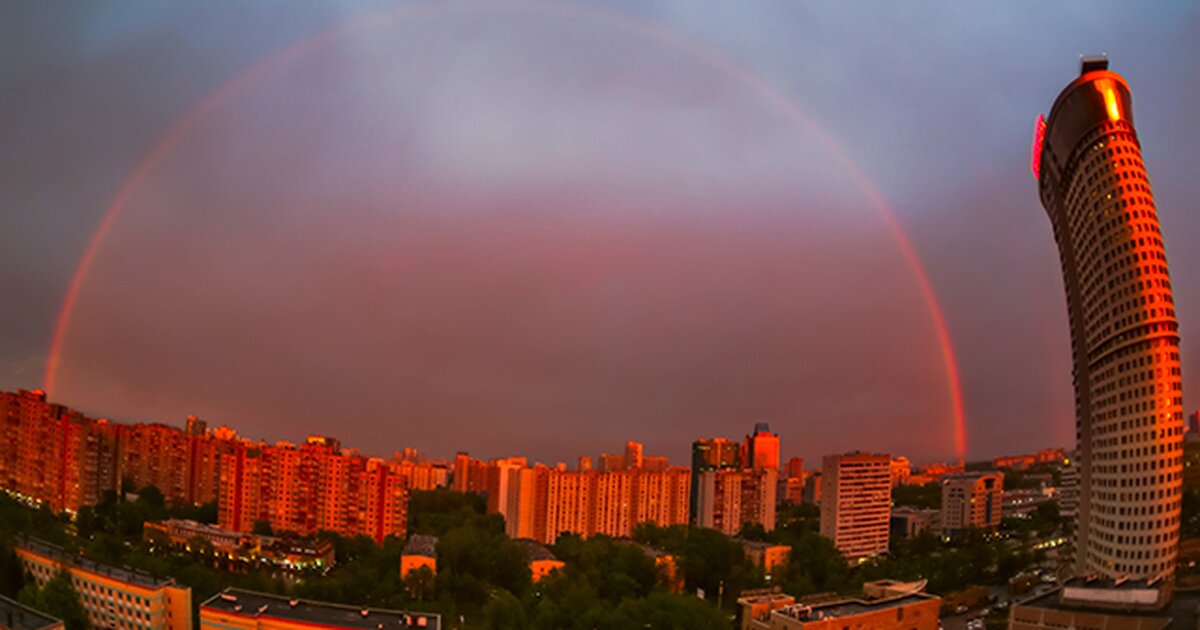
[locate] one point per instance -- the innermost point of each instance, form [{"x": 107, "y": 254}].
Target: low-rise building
[
  {"x": 114, "y": 597},
  {"x": 1108, "y": 604},
  {"x": 668, "y": 569},
  {"x": 1021, "y": 502},
  {"x": 885, "y": 604},
  {"x": 419, "y": 551},
  {"x": 910, "y": 522},
  {"x": 293, "y": 553},
  {"x": 238, "y": 609},
  {"x": 541, "y": 560},
  {"x": 767, "y": 555},
  {"x": 17, "y": 616},
  {"x": 971, "y": 500}
]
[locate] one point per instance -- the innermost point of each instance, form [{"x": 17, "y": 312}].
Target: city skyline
[{"x": 491, "y": 364}]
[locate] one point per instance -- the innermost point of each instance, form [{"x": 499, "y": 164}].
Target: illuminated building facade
[
  {"x": 540, "y": 502},
  {"x": 709, "y": 454},
  {"x": 1124, "y": 336},
  {"x": 311, "y": 487},
  {"x": 114, "y": 597},
  {"x": 761, "y": 448},
  {"x": 856, "y": 497},
  {"x": 55, "y": 455},
  {"x": 728, "y": 499},
  {"x": 971, "y": 500}
]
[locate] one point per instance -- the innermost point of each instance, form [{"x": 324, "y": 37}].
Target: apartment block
[
  {"x": 114, "y": 597},
  {"x": 856, "y": 499},
  {"x": 971, "y": 500}
]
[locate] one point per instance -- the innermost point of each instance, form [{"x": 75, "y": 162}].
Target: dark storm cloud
[{"x": 532, "y": 234}]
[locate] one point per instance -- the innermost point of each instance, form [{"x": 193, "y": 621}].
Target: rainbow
[{"x": 195, "y": 114}]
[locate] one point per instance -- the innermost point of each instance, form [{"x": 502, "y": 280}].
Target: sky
[{"x": 546, "y": 228}]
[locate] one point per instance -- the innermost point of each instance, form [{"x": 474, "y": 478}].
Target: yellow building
[
  {"x": 541, "y": 560},
  {"x": 419, "y": 551},
  {"x": 237, "y": 609},
  {"x": 766, "y": 555},
  {"x": 114, "y": 597}
]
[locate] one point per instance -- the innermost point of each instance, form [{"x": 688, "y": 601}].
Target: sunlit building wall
[{"x": 856, "y": 496}]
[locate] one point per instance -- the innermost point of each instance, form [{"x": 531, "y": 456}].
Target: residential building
[
  {"x": 729, "y": 499},
  {"x": 239, "y": 609},
  {"x": 812, "y": 488},
  {"x": 311, "y": 487},
  {"x": 856, "y": 498},
  {"x": 114, "y": 597},
  {"x": 761, "y": 448},
  {"x": 901, "y": 471},
  {"x": 1092, "y": 181},
  {"x": 710, "y": 454},
  {"x": 765, "y": 555},
  {"x": 971, "y": 500}
]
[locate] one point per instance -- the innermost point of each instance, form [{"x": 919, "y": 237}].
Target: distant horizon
[{"x": 810, "y": 464}]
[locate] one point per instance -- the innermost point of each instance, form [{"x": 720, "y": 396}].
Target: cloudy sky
[{"x": 545, "y": 228}]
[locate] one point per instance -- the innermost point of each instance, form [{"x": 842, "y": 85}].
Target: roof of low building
[
  {"x": 537, "y": 551},
  {"x": 421, "y": 545},
  {"x": 17, "y": 616},
  {"x": 123, "y": 574},
  {"x": 254, "y": 604}
]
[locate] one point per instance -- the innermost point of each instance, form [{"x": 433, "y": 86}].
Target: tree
[
  {"x": 262, "y": 528},
  {"x": 419, "y": 583},
  {"x": 504, "y": 612},
  {"x": 57, "y": 599},
  {"x": 12, "y": 576},
  {"x": 928, "y": 496}
]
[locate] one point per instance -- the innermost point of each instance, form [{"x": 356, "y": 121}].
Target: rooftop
[
  {"x": 536, "y": 550},
  {"x": 124, "y": 574},
  {"x": 17, "y": 616},
  {"x": 1133, "y": 598},
  {"x": 421, "y": 545},
  {"x": 850, "y": 607},
  {"x": 758, "y": 545},
  {"x": 237, "y": 601}
]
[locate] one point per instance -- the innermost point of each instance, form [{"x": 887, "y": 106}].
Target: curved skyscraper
[{"x": 1124, "y": 337}]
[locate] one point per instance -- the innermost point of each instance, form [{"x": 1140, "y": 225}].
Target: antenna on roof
[{"x": 1093, "y": 63}]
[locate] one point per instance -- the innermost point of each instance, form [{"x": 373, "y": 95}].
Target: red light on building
[{"x": 1039, "y": 136}]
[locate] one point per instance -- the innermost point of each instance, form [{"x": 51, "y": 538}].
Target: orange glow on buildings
[
  {"x": 1124, "y": 335},
  {"x": 65, "y": 459},
  {"x": 540, "y": 502},
  {"x": 311, "y": 487}
]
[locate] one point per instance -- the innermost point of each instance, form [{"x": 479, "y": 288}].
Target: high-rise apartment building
[
  {"x": 711, "y": 454},
  {"x": 971, "y": 500},
  {"x": 1124, "y": 336},
  {"x": 730, "y": 498},
  {"x": 55, "y": 455},
  {"x": 762, "y": 448},
  {"x": 311, "y": 487},
  {"x": 856, "y": 497},
  {"x": 633, "y": 455}
]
